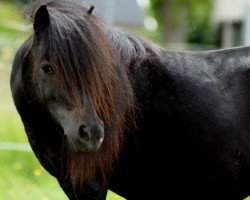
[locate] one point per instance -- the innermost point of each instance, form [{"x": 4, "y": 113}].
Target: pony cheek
[
  {"x": 65, "y": 118},
  {"x": 73, "y": 141}
]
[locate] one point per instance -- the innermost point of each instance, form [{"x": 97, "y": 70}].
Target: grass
[{"x": 24, "y": 178}]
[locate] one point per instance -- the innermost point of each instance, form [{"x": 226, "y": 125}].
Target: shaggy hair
[{"x": 88, "y": 56}]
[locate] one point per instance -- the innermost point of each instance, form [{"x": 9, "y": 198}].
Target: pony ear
[
  {"x": 41, "y": 19},
  {"x": 90, "y": 10}
]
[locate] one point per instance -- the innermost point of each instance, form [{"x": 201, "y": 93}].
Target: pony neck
[{"x": 131, "y": 49}]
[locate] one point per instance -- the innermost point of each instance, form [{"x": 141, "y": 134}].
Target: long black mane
[{"x": 90, "y": 56}]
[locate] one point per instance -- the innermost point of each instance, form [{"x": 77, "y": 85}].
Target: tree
[{"x": 184, "y": 20}]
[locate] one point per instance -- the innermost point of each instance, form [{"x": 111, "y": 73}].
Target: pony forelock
[{"x": 82, "y": 56}]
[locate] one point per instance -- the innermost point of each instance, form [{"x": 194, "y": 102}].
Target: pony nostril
[{"x": 84, "y": 132}]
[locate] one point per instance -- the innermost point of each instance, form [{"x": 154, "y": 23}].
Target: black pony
[{"x": 104, "y": 109}]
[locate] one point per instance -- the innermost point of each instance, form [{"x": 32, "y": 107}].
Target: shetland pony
[{"x": 105, "y": 109}]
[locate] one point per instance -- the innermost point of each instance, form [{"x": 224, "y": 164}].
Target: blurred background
[{"x": 173, "y": 24}]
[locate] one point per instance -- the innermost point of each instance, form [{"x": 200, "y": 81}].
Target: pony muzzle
[{"x": 88, "y": 139}]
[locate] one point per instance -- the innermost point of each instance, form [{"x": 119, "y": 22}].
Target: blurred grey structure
[
  {"x": 233, "y": 18},
  {"x": 118, "y": 12}
]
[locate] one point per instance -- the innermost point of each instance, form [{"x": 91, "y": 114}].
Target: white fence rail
[
  {"x": 10, "y": 146},
  {"x": 17, "y": 26}
]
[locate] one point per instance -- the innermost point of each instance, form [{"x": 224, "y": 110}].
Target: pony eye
[{"x": 48, "y": 70}]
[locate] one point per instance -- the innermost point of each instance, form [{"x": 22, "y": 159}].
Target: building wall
[
  {"x": 118, "y": 12},
  {"x": 230, "y": 10},
  {"x": 233, "y": 19}
]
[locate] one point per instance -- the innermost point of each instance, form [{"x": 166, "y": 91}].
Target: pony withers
[{"x": 104, "y": 109}]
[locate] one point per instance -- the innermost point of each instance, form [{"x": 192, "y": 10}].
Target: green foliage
[
  {"x": 167, "y": 12},
  {"x": 10, "y": 12},
  {"x": 156, "y": 6},
  {"x": 195, "y": 14},
  {"x": 199, "y": 17},
  {"x": 12, "y": 32},
  {"x": 18, "y": 2}
]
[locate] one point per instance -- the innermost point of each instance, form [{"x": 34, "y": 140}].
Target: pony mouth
[{"x": 84, "y": 147}]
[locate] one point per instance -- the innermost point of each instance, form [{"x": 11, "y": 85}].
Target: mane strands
[{"x": 85, "y": 60}]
